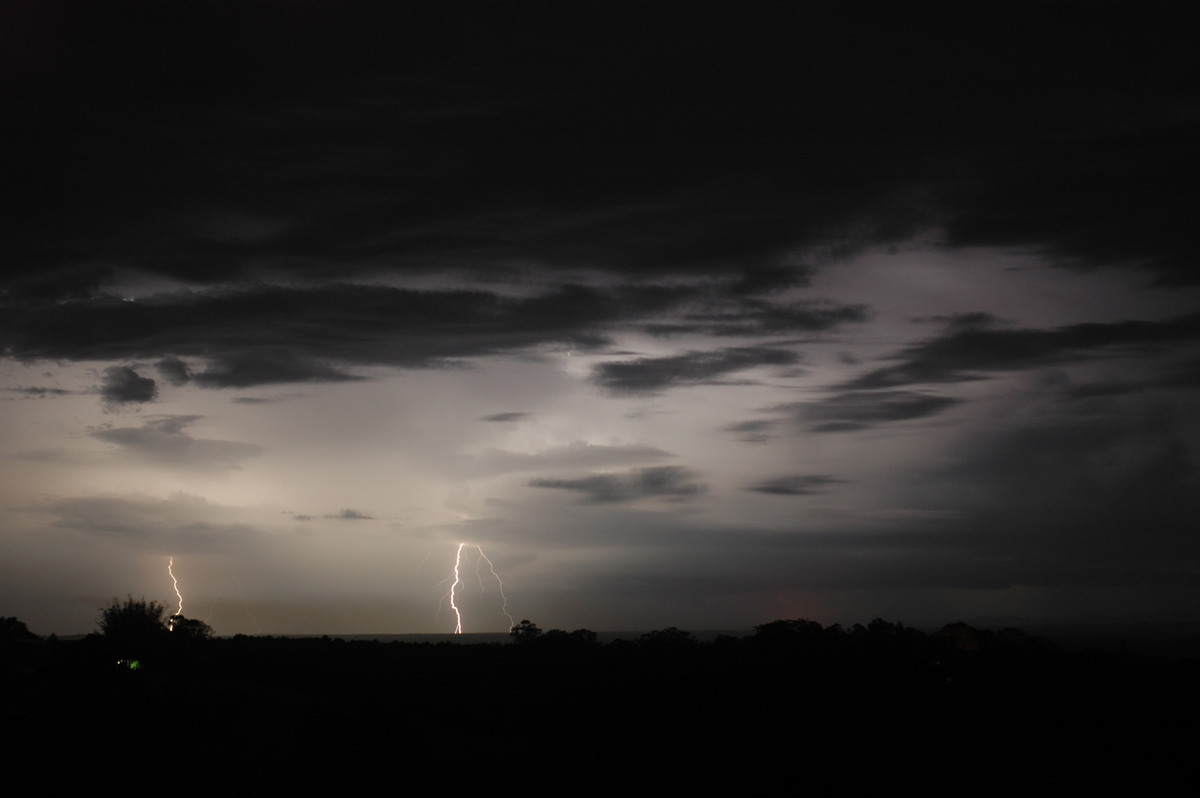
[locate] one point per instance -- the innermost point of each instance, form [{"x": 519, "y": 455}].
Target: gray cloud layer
[
  {"x": 800, "y": 485},
  {"x": 163, "y": 440},
  {"x": 731, "y": 164},
  {"x": 272, "y": 334},
  {"x": 963, "y": 354},
  {"x": 178, "y": 523},
  {"x": 504, "y": 417},
  {"x": 648, "y": 375},
  {"x": 847, "y": 412},
  {"x": 122, "y": 385},
  {"x": 673, "y": 482}
]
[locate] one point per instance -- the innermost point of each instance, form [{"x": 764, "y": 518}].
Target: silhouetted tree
[
  {"x": 580, "y": 638},
  {"x": 134, "y": 623},
  {"x": 12, "y": 629},
  {"x": 584, "y": 637},
  {"x": 792, "y": 634},
  {"x": 525, "y": 632},
  {"x": 191, "y": 628},
  {"x": 667, "y": 638}
]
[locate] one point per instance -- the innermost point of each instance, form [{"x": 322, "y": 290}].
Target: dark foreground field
[{"x": 793, "y": 706}]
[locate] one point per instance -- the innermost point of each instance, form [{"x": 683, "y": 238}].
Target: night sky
[{"x": 695, "y": 314}]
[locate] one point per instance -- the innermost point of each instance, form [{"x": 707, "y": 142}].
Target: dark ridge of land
[
  {"x": 819, "y": 707},
  {"x": 1142, "y": 637}
]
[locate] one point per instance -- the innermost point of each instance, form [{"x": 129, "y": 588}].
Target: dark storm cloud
[
  {"x": 1172, "y": 377},
  {"x": 501, "y": 417},
  {"x": 53, "y": 285},
  {"x": 666, "y": 481},
  {"x": 962, "y": 354},
  {"x": 801, "y": 485},
  {"x": 542, "y": 150},
  {"x": 268, "y": 365},
  {"x": 174, "y": 371},
  {"x": 122, "y": 385},
  {"x": 496, "y": 157},
  {"x": 857, "y": 410},
  {"x": 971, "y": 320},
  {"x": 274, "y": 334},
  {"x": 732, "y": 315},
  {"x": 162, "y": 440},
  {"x": 650, "y": 375},
  {"x": 769, "y": 279},
  {"x": 1101, "y": 199},
  {"x": 263, "y": 334},
  {"x": 355, "y": 145}
]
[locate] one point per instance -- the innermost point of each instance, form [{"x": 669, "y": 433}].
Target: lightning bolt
[
  {"x": 492, "y": 568},
  {"x": 455, "y": 579},
  {"x": 175, "y": 582},
  {"x": 453, "y": 586}
]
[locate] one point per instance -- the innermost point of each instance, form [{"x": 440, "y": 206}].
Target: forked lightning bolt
[
  {"x": 453, "y": 586},
  {"x": 455, "y": 579},
  {"x": 175, "y": 582},
  {"x": 492, "y": 568}
]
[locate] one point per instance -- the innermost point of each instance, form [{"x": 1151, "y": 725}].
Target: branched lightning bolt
[
  {"x": 492, "y": 568},
  {"x": 453, "y": 585},
  {"x": 455, "y": 579},
  {"x": 175, "y": 582}
]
